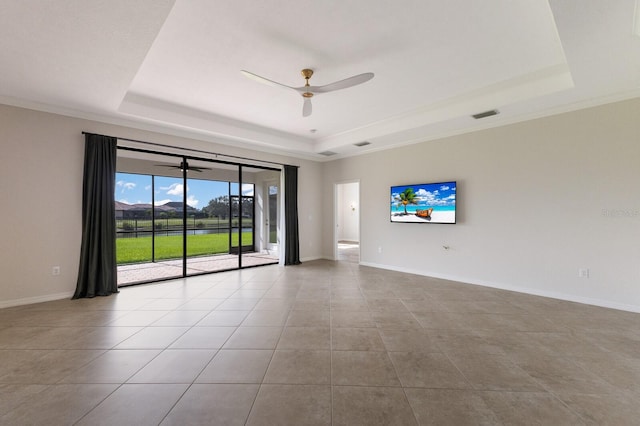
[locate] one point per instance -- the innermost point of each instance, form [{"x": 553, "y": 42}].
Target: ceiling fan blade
[
  {"x": 263, "y": 80},
  {"x": 306, "y": 107},
  {"x": 343, "y": 84}
]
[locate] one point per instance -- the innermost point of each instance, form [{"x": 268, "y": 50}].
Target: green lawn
[{"x": 135, "y": 250}]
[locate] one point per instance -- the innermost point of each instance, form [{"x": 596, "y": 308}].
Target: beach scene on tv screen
[{"x": 424, "y": 203}]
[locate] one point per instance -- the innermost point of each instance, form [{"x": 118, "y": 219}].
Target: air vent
[
  {"x": 363, "y": 143},
  {"x": 327, "y": 153},
  {"x": 485, "y": 114}
]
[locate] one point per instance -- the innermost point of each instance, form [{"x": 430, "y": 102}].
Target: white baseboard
[
  {"x": 310, "y": 258},
  {"x": 36, "y": 299},
  {"x": 525, "y": 290}
]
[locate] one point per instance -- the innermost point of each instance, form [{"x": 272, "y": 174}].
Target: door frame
[{"x": 338, "y": 206}]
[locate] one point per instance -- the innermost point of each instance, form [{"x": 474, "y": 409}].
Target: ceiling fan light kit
[{"x": 307, "y": 91}]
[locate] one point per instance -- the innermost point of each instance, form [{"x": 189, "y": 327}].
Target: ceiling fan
[
  {"x": 307, "y": 91},
  {"x": 185, "y": 166}
]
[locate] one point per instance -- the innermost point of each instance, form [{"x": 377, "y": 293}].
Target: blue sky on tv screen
[{"x": 435, "y": 195}]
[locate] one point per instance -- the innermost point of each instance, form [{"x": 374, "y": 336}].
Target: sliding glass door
[
  {"x": 179, "y": 216},
  {"x": 209, "y": 235}
]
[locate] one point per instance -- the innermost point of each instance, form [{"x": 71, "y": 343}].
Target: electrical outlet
[
  {"x": 380, "y": 249},
  {"x": 55, "y": 270},
  {"x": 583, "y": 273}
]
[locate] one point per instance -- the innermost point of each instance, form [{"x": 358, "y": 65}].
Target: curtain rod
[{"x": 191, "y": 149}]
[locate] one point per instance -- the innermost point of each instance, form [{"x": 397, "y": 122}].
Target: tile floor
[{"x": 326, "y": 343}]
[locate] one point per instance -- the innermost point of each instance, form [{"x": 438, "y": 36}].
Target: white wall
[
  {"x": 536, "y": 202},
  {"x": 41, "y": 192}
]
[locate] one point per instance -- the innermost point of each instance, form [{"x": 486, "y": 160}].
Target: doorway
[{"x": 347, "y": 220}]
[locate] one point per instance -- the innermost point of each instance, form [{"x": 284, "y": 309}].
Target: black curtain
[
  {"x": 97, "y": 274},
  {"x": 291, "y": 241}
]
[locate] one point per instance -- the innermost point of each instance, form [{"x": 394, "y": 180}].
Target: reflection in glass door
[
  {"x": 208, "y": 228},
  {"x": 242, "y": 215},
  {"x": 149, "y": 210}
]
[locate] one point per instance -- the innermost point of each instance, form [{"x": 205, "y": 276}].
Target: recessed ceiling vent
[
  {"x": 327, "y": 153},
  {"x": 363, "y": 143},
  {"x": 485, "y": 114}
]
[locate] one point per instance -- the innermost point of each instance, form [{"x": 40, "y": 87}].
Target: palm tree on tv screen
[{"x": 408, "y": 196}]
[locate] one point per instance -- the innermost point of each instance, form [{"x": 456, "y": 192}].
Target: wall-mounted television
[{"x": 424, "y": 203}]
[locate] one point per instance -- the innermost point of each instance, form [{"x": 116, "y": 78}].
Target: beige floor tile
[
  {"x": 102, "y": 337},
  {"x": 52, "y": 338},
  {"x": 564, "y": 375},
  {"x": 352, "y": 319},
  {"x": 427, "y": 370},
  {"x": 58, "y": 405},
  {"x": 162, "y": 304},
  {"x": 460, "y": 341},
  {"x": 620, "y": 372},
  {"x": 200, "y": 304},
  {"x": 440, "y": 320},
  {"x": 223, "y": 319},
  {"x": 369, "y": 406},
  {"x": 19, "y": 337},
  {"x": 424, "y": 305},
  {"x": 311, "y": 318},
  {"x": 236, "y": 366},
  {"x": 396, "y": 320},
  {"x": 450, "y": 407},
  {"x": 465, "y": 354},
  {"x": 291, "y": 405},
  {"x": 206, "y": 404},
  {"x": 311, "y": 304},
  {"x": 529, "y": 408},
  {"x": 342, "y": 293},
  {"x": 135, "y": 404},
  {"x": 43, "y": 366},
  {"x": 217, "y": 292},
  {"x": 153, "y": 338},
  {"x": 394, "y": 305},
  {"x": 248, "y": 293},
  {"x": 203, "y": 338},
  {"x": 237, "y": 304},
  {"x": 174, "y": 366},
  {"x": 305, "y": 338},
  {"x": 138, "y": 319},
  {"x": 115, "y": 366},
  {"x": 276, "y": 318},
  {"x": 362, "y": 368},
  {"x": 349, "y": 305},
  {"x": 182, "y": 318},
  {"x": 413, "y": 340},
  {"x": 272, "y": 301},
  {"x": 254, "y": 338},
  {"x": 494, "y": 372},
  {"x": 604, "y": 410},
  {"x": 356, "y": 339},
  {"x": 300, "y": 367},
  {"x": 11, "y": 396}
]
